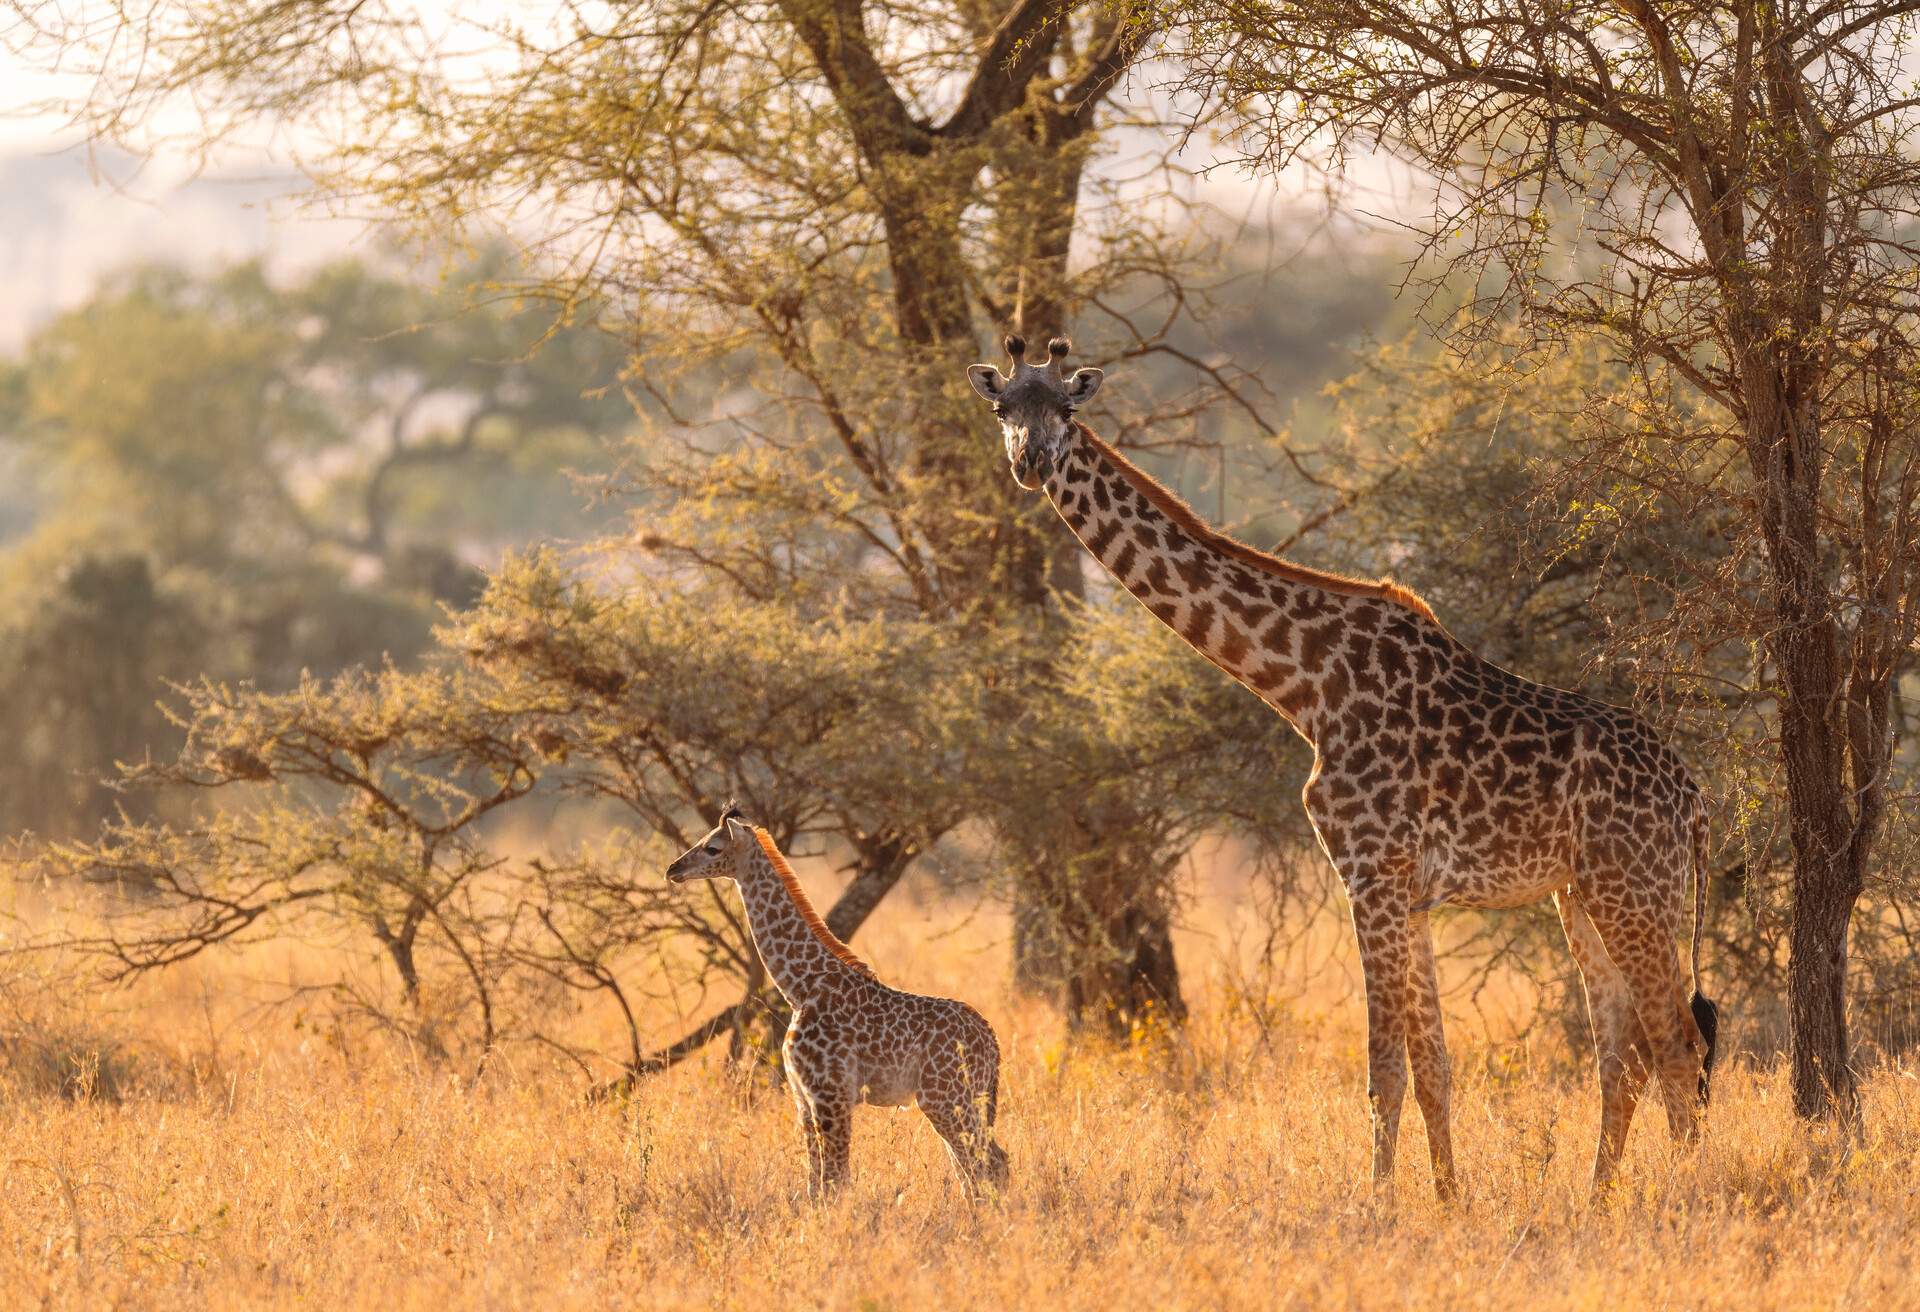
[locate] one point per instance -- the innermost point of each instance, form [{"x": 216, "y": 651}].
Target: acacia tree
[
  {"x": 798, "y": 214},
  {"x": 363, "y": 810},
  {"x": 1747, "y": 170},
  {"x": 369, "y": 795},
  {"x": 840, "y": 187}
]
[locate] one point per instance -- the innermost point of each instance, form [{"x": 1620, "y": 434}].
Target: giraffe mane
[
  {"x": 1169, "y": 503},
  {"x": 804, "y": 905}
]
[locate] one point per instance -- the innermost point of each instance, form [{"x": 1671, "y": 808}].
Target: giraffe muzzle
[{"x": 1032, "y": 468}]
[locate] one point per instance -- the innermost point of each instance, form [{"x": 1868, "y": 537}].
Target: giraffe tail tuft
[{"x": 1706, "y": 1014}]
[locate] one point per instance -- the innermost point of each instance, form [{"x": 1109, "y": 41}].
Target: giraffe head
[
  {"x": 1035, "y": 406},
  {"x": 718, "y": 855}
]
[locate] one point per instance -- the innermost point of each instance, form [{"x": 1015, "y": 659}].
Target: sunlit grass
[{"x": 242, "y": 1161}]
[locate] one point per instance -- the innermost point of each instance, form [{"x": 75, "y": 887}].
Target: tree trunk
[
  {"x": 1039, "y": 966},
  {"x": 1827, "y": 865},
  {"x": 1129, "y": 982},
  {"x": 1823, "y": 1077},
  {"x": 879, "y": 867},
  {"x": 1830, "y": 840},
  {"x": 399, "y": 947},
  {"x": 1096, "y": 936},
  {"x": 995, "y": 550},
  {"x": 1104, "y": 954},
  {"x": 1826, "y": 877}
]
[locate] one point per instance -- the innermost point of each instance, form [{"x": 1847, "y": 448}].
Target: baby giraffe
[{"x": 853, "y": 1039}]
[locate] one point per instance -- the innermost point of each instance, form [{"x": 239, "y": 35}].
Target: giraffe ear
[
  {"x": 1082, "y": 386},
  {"x": 987, "y": 381},
  {"x": 736, "y": 828}
]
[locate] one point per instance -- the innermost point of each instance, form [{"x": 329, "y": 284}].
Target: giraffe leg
[
  {"x": 1427, "y": 1054},
  {"x": 959, "y": 1093},
  {"x": 811, "y": 1132},
  {"x": 833, "y": 1129},
  {"x": 823, "y": 1097},
  {"x": 1641, "y": 947},
  {"x": 977, "y": 1158},
  {"x": 984, "y": 1106},
  {"x": 1380, "y": 923},
  {"x": 809, "y": 1123},
  {"x": 1620, "y": 1047},
  {"x": 816, "y": 1157}
]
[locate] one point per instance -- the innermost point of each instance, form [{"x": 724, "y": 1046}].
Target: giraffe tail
[{"x": 1706, "y": 1013}]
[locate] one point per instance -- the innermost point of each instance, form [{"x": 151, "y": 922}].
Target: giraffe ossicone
[
  {"x": 1438, "y": 777},
  {"x": 852, "y": 1039}
]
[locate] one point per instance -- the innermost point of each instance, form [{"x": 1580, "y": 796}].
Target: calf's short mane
[{"x": 804, "y": 905}]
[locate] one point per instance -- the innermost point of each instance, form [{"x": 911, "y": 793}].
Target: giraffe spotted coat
[
  {"x": 1438, "y": 777},
  {"x": 852, "y": 1039}
]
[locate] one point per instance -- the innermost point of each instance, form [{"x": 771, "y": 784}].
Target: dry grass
[{"x": 248, "y": 1161}]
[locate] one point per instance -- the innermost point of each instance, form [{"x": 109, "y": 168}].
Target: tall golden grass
[{"x": 178, "y": 1147}]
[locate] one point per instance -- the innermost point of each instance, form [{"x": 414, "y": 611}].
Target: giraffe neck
[
  {"x": 788, "y": 935},
  {"x": 1298, "y": 638}
]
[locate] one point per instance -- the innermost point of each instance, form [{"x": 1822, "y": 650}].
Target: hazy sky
[
  {"x": 69, "y": 220},
  {"x": 70, "y": 216}
]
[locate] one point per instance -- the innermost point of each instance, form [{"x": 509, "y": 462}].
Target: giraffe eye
[{"x": 711, "y": 850}]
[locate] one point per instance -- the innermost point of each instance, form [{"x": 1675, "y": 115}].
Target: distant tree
[
  {"x": 216, "y": 421},
  {"x": 228, "y": 478},
  {"x": 79, "y": 671}
]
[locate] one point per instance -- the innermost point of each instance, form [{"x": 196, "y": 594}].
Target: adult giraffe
[{"x": 1438, "y": 778}]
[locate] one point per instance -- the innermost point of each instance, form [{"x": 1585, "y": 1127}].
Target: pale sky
[{"x": 71, "y": 216}]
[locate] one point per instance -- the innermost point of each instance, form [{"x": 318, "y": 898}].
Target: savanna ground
[{"x": 221, "y": 1155}]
